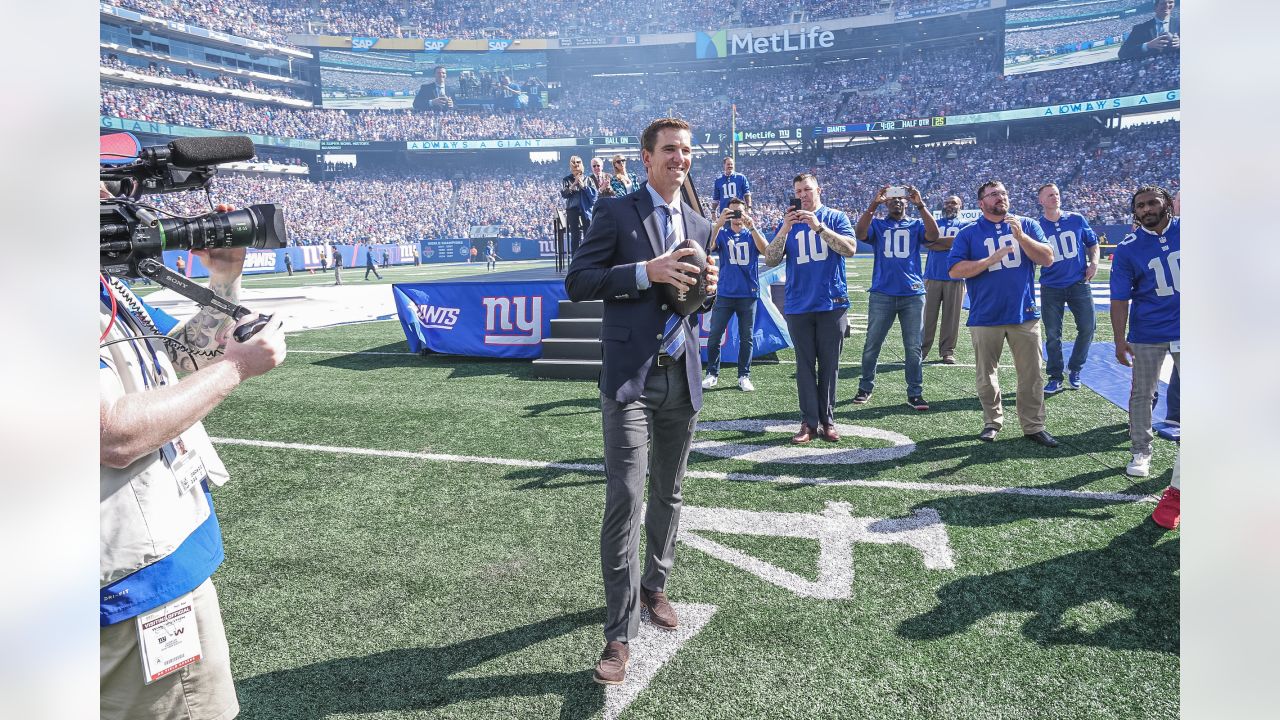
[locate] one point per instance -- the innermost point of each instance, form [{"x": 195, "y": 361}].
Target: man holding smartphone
[
  {"x": 814, "y": 240},
  {"x": 897, "y": 285},
  {"x": 738, "y": 242}
]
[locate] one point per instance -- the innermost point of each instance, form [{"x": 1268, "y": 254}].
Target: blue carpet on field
[{"x": 1105, "y": 375}]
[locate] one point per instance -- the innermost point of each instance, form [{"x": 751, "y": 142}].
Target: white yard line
[{"x": 702, "y": 474}]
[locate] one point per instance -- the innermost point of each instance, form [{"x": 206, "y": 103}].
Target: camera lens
[{"x": 257, "y": 226}]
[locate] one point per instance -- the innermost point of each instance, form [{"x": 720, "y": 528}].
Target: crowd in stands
[
  {"x": 1050, "y": 36},
  {"x": 1074, "y": 9},
  {"x": 609, "y": 105},
  {"x": 220, "y": 80},
  {"x": 273, "y": 20},
  {"x": 394, "y": 205}
]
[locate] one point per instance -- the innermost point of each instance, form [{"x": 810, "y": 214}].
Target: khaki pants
[
  {"x": 949, "y": 294},
  {"x": 1024, "y": 343},
  {"x": 202, "y": 691}
]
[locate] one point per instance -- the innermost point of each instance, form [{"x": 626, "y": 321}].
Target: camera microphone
[{"x": 201, "y": 151}]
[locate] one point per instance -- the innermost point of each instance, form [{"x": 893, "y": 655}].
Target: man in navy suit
[
  {"x": 1160, "y": 34},
  {"x": 650, "y": 392}
]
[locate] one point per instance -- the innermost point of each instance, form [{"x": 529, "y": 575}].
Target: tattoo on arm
[
  {"x": 774, "y": 253},
  {"x": 844, "y": 245},
  {"x": 207, "y": 331}
]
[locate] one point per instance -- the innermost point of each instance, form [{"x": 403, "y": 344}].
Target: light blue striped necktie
[{"x": 673, "y": 332}]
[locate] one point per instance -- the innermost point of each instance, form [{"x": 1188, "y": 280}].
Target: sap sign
[
  {"x": 363, "y": 43},
  {"x": 434, "y": 44},
  {"x": 499, "y": 44}
]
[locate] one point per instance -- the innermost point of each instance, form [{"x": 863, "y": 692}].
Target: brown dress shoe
[
  {"x": 661, "y": 613},
  {"x": 829, "y": 433},
  {"x": 804, "y": 436},
  {"x": 612, "y": 668}
]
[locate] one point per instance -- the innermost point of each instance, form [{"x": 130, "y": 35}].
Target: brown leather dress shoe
[
  {"x": 661, "y": 613},
  {"x": 804, "y": 436},
  {"x": 829, "y": 433},
  {"x": 612, "y": 668}
]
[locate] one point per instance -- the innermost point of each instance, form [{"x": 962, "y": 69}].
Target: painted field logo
[
  {"x": 440, "y": 318},
  {"x": 513, "y": 320},
  {"x": 899, "y": 445},
  {"x": 835, "y": 529}
]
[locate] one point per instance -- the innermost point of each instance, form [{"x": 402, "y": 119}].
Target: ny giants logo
[
  {"x": 512, "y": 320},
  {"x": 440, "y": 318}
]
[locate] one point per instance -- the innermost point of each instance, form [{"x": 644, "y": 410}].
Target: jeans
[
  {"x": 1079, "y": 298},
  {"x": 745, "y": 309},
  {"x": 881, "y": 312}
]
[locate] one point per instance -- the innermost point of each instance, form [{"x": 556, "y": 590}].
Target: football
[{"x": 688, "y": 299}]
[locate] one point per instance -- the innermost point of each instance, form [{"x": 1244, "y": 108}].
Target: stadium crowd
[
  {"x": 1067, "y": 10},
  {"x": 1062, "y": 33},
  {"x": 274, "y": 20},
  {"x": 613, "y": 104},
  {"x": 395, "y": 205},
  {"x": 218, "y": 80}
]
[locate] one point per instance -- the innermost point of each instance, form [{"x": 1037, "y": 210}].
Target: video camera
[{"x": 133, "y": 235}]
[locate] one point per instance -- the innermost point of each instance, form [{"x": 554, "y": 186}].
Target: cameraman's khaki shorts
[{"x": 202, "y": 691}]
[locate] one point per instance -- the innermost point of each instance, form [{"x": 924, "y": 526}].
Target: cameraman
[{"x": 160, "y": 540}]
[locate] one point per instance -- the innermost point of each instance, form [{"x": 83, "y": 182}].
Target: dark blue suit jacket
[
  {"x": 626, "y": 231},
  {"x": 1146, "y": 32}
]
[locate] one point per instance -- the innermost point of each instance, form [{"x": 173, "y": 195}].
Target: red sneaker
[{"x": 1168, "y": 509}]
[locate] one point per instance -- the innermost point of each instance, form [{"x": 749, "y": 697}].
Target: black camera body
[{"x": 132, "y": 233}]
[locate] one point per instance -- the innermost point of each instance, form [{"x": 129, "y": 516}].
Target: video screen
[
  {"x": 1051, "y": 34},
  {"x": 413, "y": 80}
]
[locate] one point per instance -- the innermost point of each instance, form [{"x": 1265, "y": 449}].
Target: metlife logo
[{"x": 723, "y": 43}]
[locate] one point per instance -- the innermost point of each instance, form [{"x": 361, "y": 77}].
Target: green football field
[{"x": 415, "y": 536}]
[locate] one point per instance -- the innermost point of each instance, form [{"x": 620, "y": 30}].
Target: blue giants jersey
[
  {"x": 729, "y": 187},
  {"x": 897, "y": 269},
  {"x": 739, "y": 264},
  {"x": 815, "y": 272},
  {"x": 1069, "y": 235},
  {"x": 1146, "y": 270},
  {"x": 937, "y": 265},
  {"x": 1004, "y": 293}
]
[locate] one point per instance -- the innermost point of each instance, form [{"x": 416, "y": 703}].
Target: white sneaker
[
  {"x": 1140, "y": 466},
  {"x": 710, "y": 381},
  {"x": 744, "y": 384}
]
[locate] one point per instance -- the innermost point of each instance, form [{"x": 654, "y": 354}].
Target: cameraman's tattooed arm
[{"x": 207, "y": 332}]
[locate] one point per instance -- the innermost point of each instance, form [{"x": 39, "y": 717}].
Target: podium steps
[{"x": 572, "y": 351}]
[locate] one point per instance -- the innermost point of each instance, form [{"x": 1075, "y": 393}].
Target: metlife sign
[{"x": 726, "y": 43}]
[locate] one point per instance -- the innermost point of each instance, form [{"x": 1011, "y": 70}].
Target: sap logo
[
  {"x": 513, "y": 320},
  {"x": 363, "y": 43},
  {"x": 439, "y": 318},
  {"x": 260, "y": 261},
  {"x": 499, "y": 45},
  {"x": 434, "y": 45}
]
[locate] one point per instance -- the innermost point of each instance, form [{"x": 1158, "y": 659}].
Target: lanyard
[{"x": 131, "y": 325}]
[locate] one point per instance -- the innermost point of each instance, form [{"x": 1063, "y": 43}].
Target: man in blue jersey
[
  {"x": 1146, "y": 296},
  {"x": 731, "y": 185},
  {"x": 1066, "y": 282},
  {"x": 941, "y": 291},
  {"x": 897, "y": 285},
  {"x": 738, "y": 243},
  {"x": 160, "y": 539},
  {"x": 815, "y": 240},
  {"x": 996, "y": 256}
]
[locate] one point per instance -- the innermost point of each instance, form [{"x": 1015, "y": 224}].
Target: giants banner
[{"x": 478, "y": 319}]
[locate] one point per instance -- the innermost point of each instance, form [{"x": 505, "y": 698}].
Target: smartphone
[
  {"x": 795, "y": 203},
  {"x": 896, "y": 191}
]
